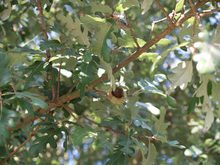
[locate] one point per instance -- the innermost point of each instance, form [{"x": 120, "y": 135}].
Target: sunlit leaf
[
  {"x": 179, "y": 5},
  {"x": 74, "y": 28},
  {"x": 182, "y": 75},
  {"x": 5, "y": 14},
  {"x": 208, "y": 60},
  {"x": 150, "y": 107},
  {"x": 148, "y": 56}
]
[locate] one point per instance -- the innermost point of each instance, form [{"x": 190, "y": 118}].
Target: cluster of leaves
[{"x": 53, "y": 110}]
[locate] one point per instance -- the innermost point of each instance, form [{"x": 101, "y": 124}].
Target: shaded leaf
[
  {"x": 150, "y": 87},
  {"x": 35, "y": 100},
  {"x": 176, "y": 144},
  {"x": 171, "y": 101},
  {"x": 209, "y": 119},
  {"x": 152, "y": 153},
  {"x": 145, "y": 6},
  {"x": 161, "y": 126}
]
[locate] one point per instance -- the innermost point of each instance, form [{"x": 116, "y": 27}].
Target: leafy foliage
[{"x": 62, "y": 61}]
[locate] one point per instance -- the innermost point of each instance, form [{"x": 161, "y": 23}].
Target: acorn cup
[{"x": 117, "y": 96}]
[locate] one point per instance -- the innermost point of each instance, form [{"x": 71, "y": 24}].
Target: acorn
[{"x": 117, "y": 96}]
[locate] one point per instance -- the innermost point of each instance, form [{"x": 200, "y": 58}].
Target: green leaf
[
  {"x": 179, "y": 5},
  {"x": 5, "y": 14},
  {"x": 161, "y": 126},
  {"x": 182, "y": 75},
  {"x": 145, "y": 6},
  {"x": 97, "y": 7},
  {"x": 215, "y": 91},
  {"x": 79, "y": 134},
  {"x": 129, "y": 3},
  {"x": 25, "y": 105},
  {"x": 150, "y": 87},
  {"x": 209, "y": 119},
  {"x": 164, "y": 42},
  {"x": 5, "y": 76},
  {"x": 102, "y": 30},
  {"x": 152, "y": 153},
  {"x": 150, "y": 107},
  {"x": 3, "y": 151},
  {"x": 158, "y": 61},
  {"x": 149, "y": 56},
  {"x": 171, "y": 101},
  {"x": 74, "y": 28},
  {"x": 126, "y": 144},
  {"x": 143, "y": 150},
  {"x": 3, "y": 131},
  {"x": 51, "y": 44},
  {"x": 193, "y": 151},
  {"x": 202, "y": 89},
  {"x": 192, "y": 104},
  {"x": 35, "y": 100},
  {"x": 118, "y": 158},
  {"x": 127, "y": 41},
  {"x": 52, "y": 142},
  {"x": 208, "y": 60},
  {"x": 216, "y": 36},
  {"x": 175, "y": 143},
  {"x": 35, "y": 149}
]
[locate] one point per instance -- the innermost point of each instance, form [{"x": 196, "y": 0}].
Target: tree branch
[
  {"x": 44, "y": 31},
  {"x": 164, "y": 12},
  {"x": 33, "y": 133}
]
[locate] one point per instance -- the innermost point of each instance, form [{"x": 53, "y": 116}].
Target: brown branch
[
  {"x": 58, "y": 82},
  {"x": 1, "y": 102},
  {"x": 70, "y": 111},
  {"x": 196, "y": 16},
  {"x": 42, "y": 21},
  {"x": 44, "y": 31},
  {"x": 33, "y": 133},
  {"x": 133, "y": 34},
  {"x": 76, "y": 94}
]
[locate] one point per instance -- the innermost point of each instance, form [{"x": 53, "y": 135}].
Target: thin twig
[
  {"x": 58, "y": 81},
  {"x": 42, "y": 21},
  {"x": 156, "y": 22},
  {"x": 33, "y": 133},
  {"x": 44, "y": 31},
  {"x": 133, "y": 34},
  {"x": 164, "y": 12},
  {"x": 70, "y": 111},
  {"x": 196, "y": 16}
]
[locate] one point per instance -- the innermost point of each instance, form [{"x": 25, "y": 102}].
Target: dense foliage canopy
[{"x": 116, "y": 82}]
